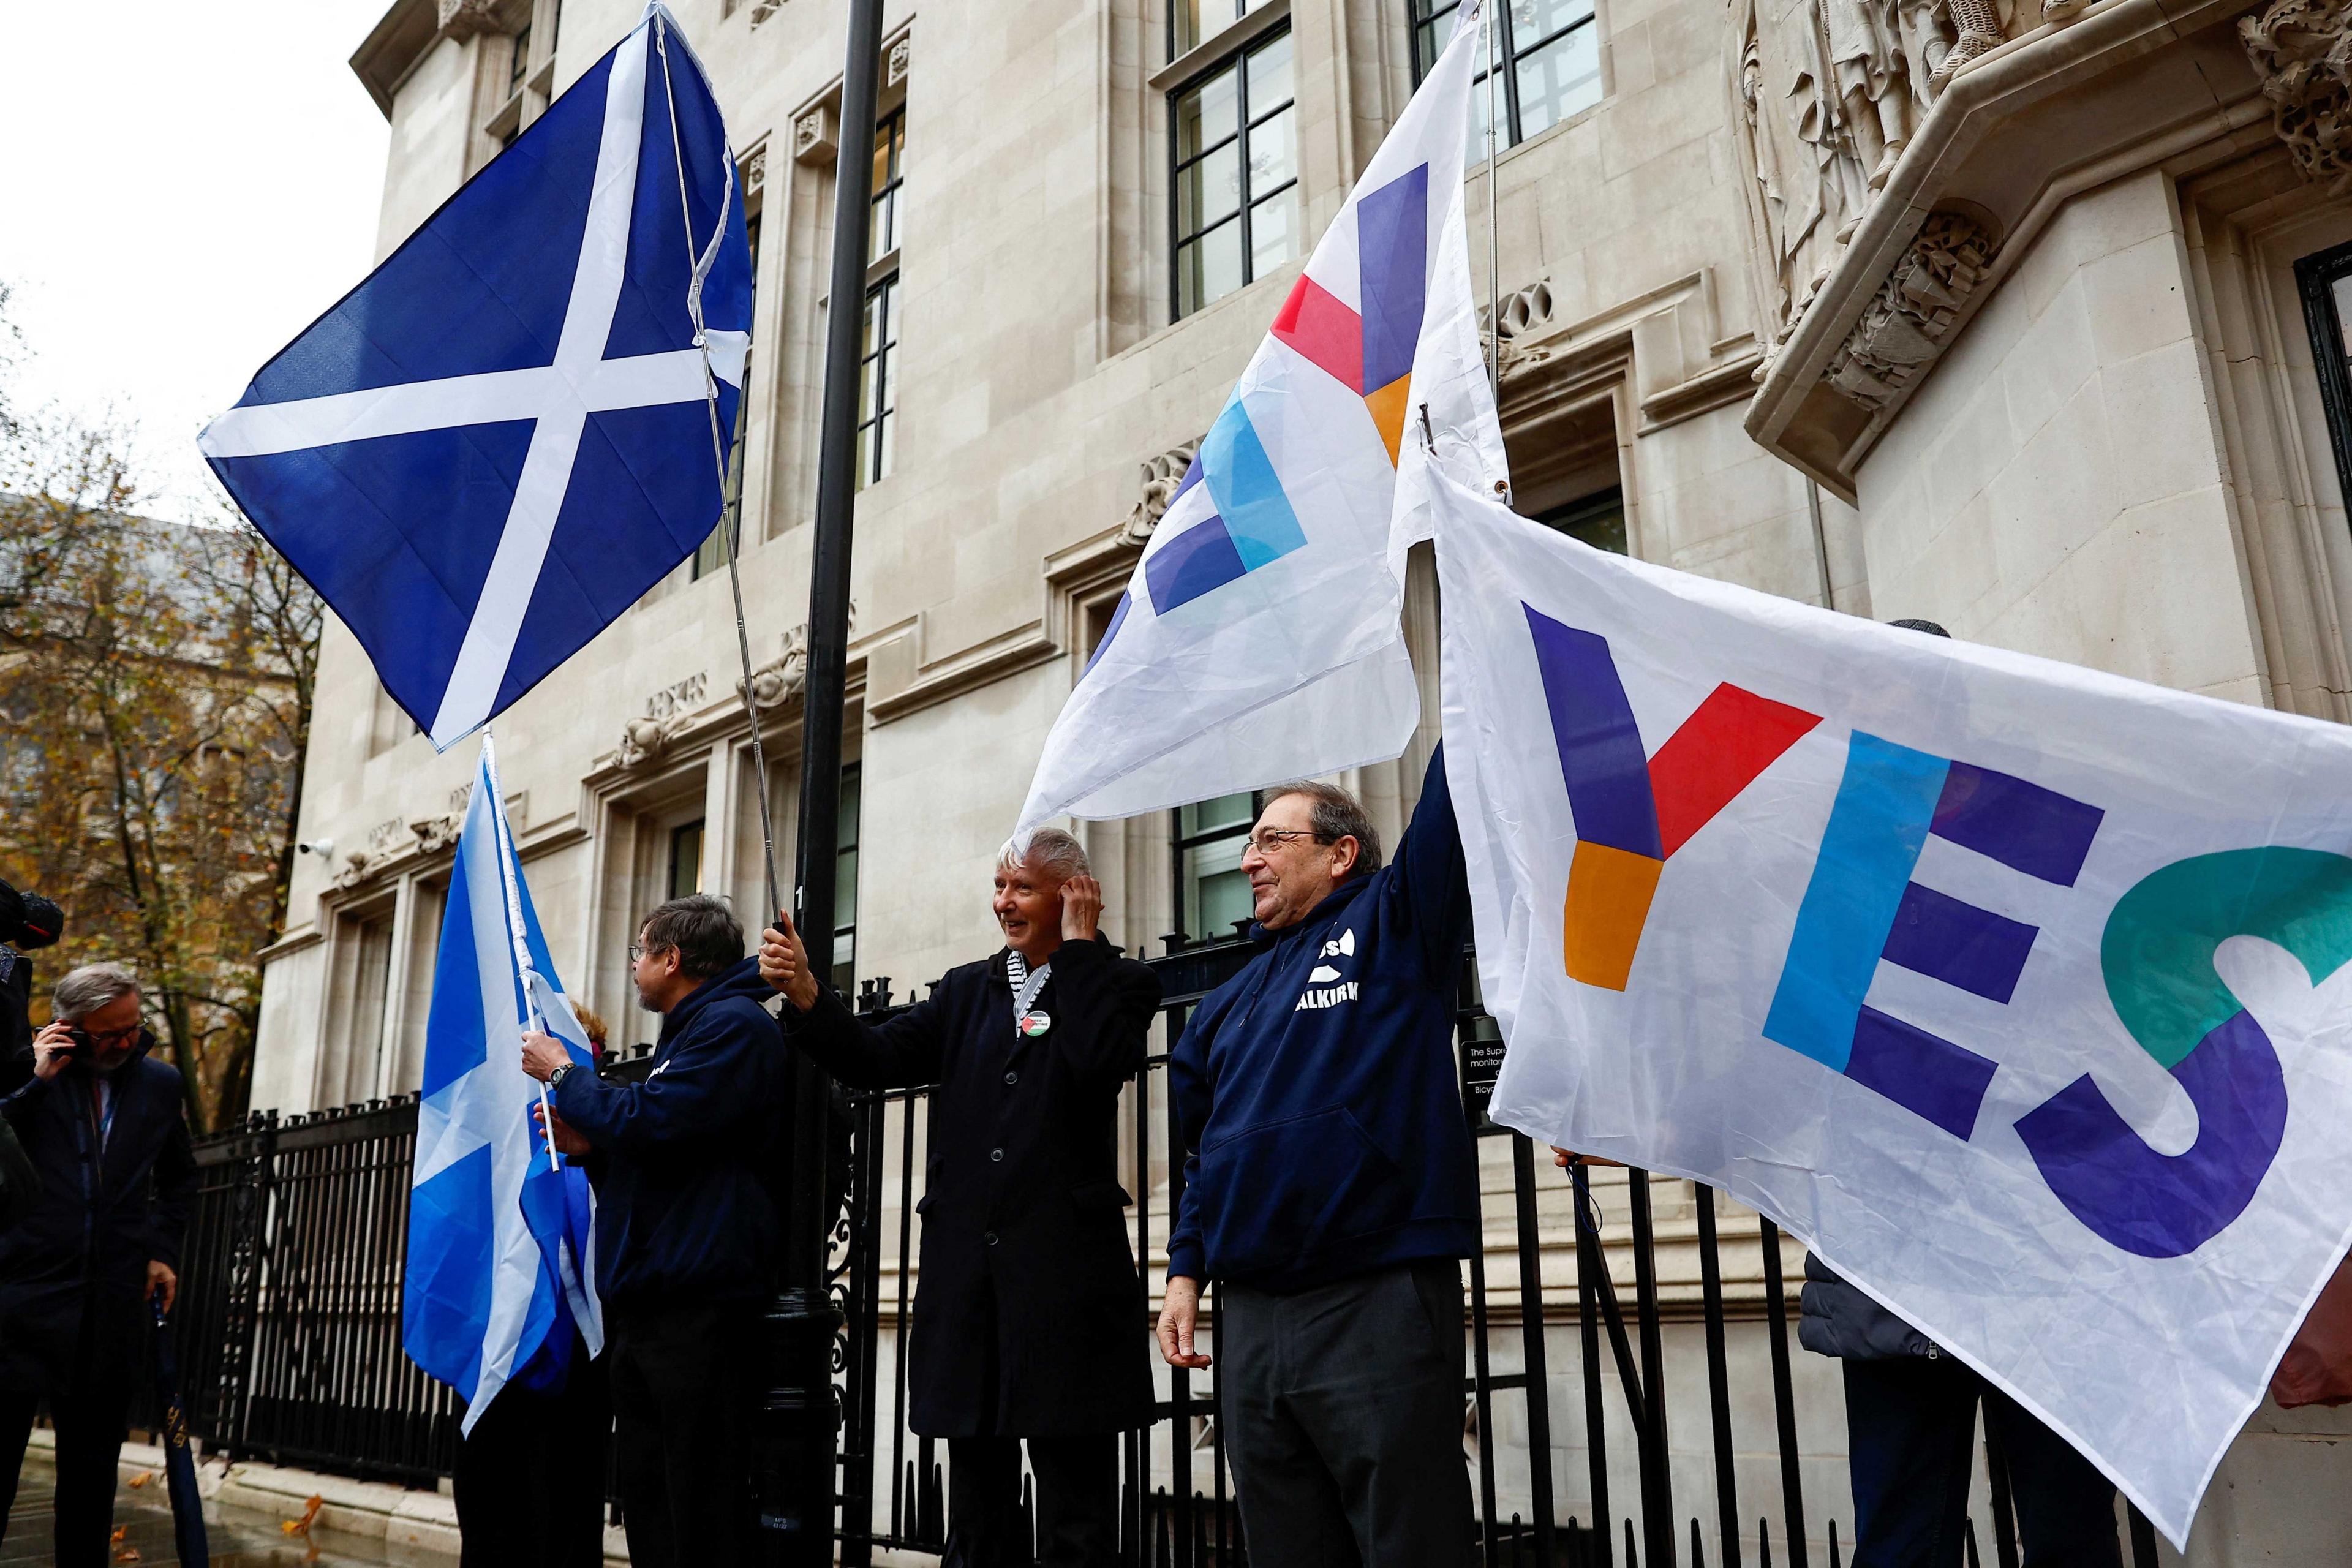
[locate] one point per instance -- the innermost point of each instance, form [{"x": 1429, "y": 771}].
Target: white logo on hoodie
[{"x": 1324, "y": 986}]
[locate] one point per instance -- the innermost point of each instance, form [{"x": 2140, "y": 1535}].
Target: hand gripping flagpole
[
  {"x": 730, "y": 504},
  {"x": 525, "y": 973}
]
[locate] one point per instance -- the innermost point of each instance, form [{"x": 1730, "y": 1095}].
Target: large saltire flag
[
  {"x": 2021, "y": 993},
  {"x": 1258, "y": 639},
  {"x": 500, "y": 1239},
  {"x": 503, "y": 436}
]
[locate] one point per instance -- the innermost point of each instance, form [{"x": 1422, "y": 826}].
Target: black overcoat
[
  {"x": 1024, "y": 1219},
  {"x": 101, "y": 1220}
]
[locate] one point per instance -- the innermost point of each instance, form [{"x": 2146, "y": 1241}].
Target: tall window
[
  {"x": 371, "y": 998},
  {"x": 520, "y": 65},
  {"x": 1597, "y": 519},
  {"x": 845, "y": 885},
  {"x": 1553, "y": 50},
  {"x": 1190, "y": 21},
  {"x": 685, "y": 859},
  {"x": 2325, "y": 281},
  {"x": 1208, "y": 839},
  {"x": 1235, "y": 194},
  {"x": 877, "y": 386}
]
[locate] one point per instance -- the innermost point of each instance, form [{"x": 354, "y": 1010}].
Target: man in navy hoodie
[
  {"x": 1330, "y": 1191},
  {"x": 687, "y": 1231}
]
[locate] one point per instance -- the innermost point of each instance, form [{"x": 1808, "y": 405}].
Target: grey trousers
[{"x": 1342, "y": 1414}]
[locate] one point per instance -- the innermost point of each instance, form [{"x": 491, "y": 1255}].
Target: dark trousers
[
  {"x": 1911, "y": 1430},
  {"x": 686, "y": 1393},
  {"x": 89, "y": 1415},
  {"x": 1342, "y": 1414},
  {"x": 1077, "y": 1502},
  {"x": 529, "y": 1480}
]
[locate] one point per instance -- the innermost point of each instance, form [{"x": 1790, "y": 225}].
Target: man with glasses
[
  {"x": 686, "y": 1230},
  {"x": 1330, "y": 1190},
  {"x": 101, "y": 1122}
]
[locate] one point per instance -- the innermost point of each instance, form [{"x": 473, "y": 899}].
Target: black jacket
[
  {"x": 101, "y": 1220},
  {"x": 15, "y": 1007},
  {"x": 1024, "y": 1219},
  {"x": 1836, "y": 1319},
  {"x": 685, "y": 1212}
]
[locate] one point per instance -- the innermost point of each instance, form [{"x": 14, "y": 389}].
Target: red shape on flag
[
  {"x": 1314, "y": 321},
  {"x": 1720, "y": 749}
]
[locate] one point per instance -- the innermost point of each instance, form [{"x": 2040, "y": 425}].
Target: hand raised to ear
[{"x": 1082, "y": 902}]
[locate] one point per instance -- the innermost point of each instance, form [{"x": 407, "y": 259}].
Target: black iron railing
[{"x": 290, "y": 1328}]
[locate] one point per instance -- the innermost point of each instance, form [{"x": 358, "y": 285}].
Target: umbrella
[{"x": 179, "y": 1463}]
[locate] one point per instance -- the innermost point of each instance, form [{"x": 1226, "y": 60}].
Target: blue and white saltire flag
[
  {"x": 1259, "y": 637},
  {"x": 501, "y": 1241},
  {"x": 498, "y": 442}
]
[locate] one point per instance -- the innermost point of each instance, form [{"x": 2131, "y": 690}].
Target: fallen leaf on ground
[{"x": 141, "y": 1479}]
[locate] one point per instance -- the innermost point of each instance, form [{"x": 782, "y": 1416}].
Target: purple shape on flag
[
  {"x": 2024, "y": 826},
  {"x": 1392, "y": 251},
  {"x": 1926, "y": 1074},
  {"x": 1601, "y": 755},
  {"x": 2167, "y": 1205},
  {"x": 1198, "y": 560},
  {"x": 1951, "y": 940}
]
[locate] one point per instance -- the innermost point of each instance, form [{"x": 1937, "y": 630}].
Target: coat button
[
  {"x": 1012, "y": 1077},
  {"x": 989, "y": 1236},
  {"x": 997, "y": 1155}
]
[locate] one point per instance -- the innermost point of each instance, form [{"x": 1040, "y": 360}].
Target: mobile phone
[{"x": 82, "y": 1044}]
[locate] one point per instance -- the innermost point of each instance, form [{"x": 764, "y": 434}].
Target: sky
[{"x": 185, "y": 187}]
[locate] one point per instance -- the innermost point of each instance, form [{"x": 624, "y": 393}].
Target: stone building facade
[{"x": 2023, "y": 317}]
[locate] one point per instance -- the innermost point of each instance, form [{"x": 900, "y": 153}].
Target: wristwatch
[{"x": 555, "y": 1079}]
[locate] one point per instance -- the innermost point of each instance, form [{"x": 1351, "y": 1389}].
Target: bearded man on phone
[
  {"x": 1030, "y": 1322},
  {"x": 102, "y": 1121}
]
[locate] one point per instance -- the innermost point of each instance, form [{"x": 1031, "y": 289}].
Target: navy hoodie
[
  {"x": 685, "y": 1214},
  {"x": 1316, "y": 1091}
]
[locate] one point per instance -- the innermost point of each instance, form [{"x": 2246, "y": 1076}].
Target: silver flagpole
[
  {"x": 730, "y": 493},
  {"x": 502, "y": 845}
]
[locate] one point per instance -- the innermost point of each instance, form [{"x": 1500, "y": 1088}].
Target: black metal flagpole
[{"x": 802, "y": 1426}]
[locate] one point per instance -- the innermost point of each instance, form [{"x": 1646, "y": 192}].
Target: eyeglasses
[
  {"x": 1266, "y": 840},
  {"x": 113, "y": 1037},
  {"x": 637, "y": 949}
]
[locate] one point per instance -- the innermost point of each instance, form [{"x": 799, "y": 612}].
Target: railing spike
[
  {"x": 1834, "y": 1562},
  {"x": 1698, "y": 1547},
  {"x": 1764, "y": 1542}
]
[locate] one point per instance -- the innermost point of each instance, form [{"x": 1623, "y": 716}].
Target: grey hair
[
  {"x": 1049, "y": 850},
  {"x": 81, "y": 991},
  {"x": 1336, "y": 814}
]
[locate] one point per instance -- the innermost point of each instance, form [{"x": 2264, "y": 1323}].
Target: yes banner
[{"x": 2019, "y": 990}]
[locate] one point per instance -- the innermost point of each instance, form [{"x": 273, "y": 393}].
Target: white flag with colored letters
[{"x": 2020, "y": 991}]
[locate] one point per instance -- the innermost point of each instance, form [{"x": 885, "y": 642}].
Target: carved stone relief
[
  {"x": 781, "y": 676},
  {"x": 765, "y": 9},
  {"x": 464, "y": 20},
  {"x": 1904, "y": 325},
  {"x": 894, "y": 69},
  {"x": 1525, "y": 312},
  {"x": 2303, "y": 48},
  {"x": 667, "y": 712},
  {"x": 755, "y": 171},
  {"x": 1160, "y": 475},
  {"x": 816, "y": 135}
]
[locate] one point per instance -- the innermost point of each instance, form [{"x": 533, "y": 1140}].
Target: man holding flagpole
[{"x": 687, "y": 1228}]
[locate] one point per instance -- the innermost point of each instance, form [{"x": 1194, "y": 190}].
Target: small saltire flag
[
  {"x": 501, "y": 1241},
  {"x": 1258, "y": 639},
  {"x": 2020, "y": 991},
  {"x": 503, "y": 436}
]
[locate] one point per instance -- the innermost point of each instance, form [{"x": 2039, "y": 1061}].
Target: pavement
[{"x": 239, "y": 1537}]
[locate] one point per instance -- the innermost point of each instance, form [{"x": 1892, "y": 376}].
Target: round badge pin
[{"x": 1035, "y": 1023}]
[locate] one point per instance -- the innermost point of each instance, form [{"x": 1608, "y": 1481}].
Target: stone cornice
[
  {"x": 392, "y": 47},
  {"x": 2019, "y": 132}
]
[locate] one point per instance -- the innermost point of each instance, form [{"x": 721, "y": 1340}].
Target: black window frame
[
  {"x": 1181, "y": 845},
  {"x": 1421, "y": 17},
  {"x": 879, "y": 351},
  {"x": 2316, "y": 276},
  {"x": 678, "y": 837},
  {"x": 890, "y": 148},
  {"x": 1575, "y": 519},
  {"x": 1246, "y": 122},
  {"x": 848, "y": 825}
]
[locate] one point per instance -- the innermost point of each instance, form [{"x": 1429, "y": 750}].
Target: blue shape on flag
[
  {"x": 1196, "y": 562},
  {"x": 502, "y": 437},
  {"x": 1393, "y": 247},
  {"x": 1252, "y": 525},
  {"x": 499, "y": 1273}
]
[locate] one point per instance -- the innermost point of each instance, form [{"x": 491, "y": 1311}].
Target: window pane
[
  {"x": 1432, "y": 26},
  {"x": 1273, "y": 156},
  {"x": 1273, "y": 231},
  {"x": 1598, "y": 521},
  {"x": 887, "y": 451},
  {"x": 894, "y": 296},
  {"x": 2342, "y": 289},
  {"x": 686, "y": 860},
  {"x": 1559, "y": 79},
  {"x": 1269, "y": 77},
  {"x": 1533, "y": 21},
  {"x": 1206, "y": 115},
  {"x": 1209, "y": 190},
  {"x": 1209, "y": 268},
  {"x": 1216, "y": 893},
  {"x": 1474, "y": 150},
  {"x": 1227, "y": 811},
  {"x": 521, "y": 67}
]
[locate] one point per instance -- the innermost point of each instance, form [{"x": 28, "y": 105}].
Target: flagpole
[
  {"x": 730, "y": 483},
  {"x": 502, "y": 841},
  {"x": 1494, "y": 235}
]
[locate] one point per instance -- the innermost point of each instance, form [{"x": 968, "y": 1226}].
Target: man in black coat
[
  {"x": 101, "y": 1120},
  {"x": 1030, "y": 1322},
  {"x": 686, "y": 1229}
]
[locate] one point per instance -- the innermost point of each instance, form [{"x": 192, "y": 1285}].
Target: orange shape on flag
[
  {"x": 1388, "y": 406},
  {"x": 1609, "y": 893}
]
